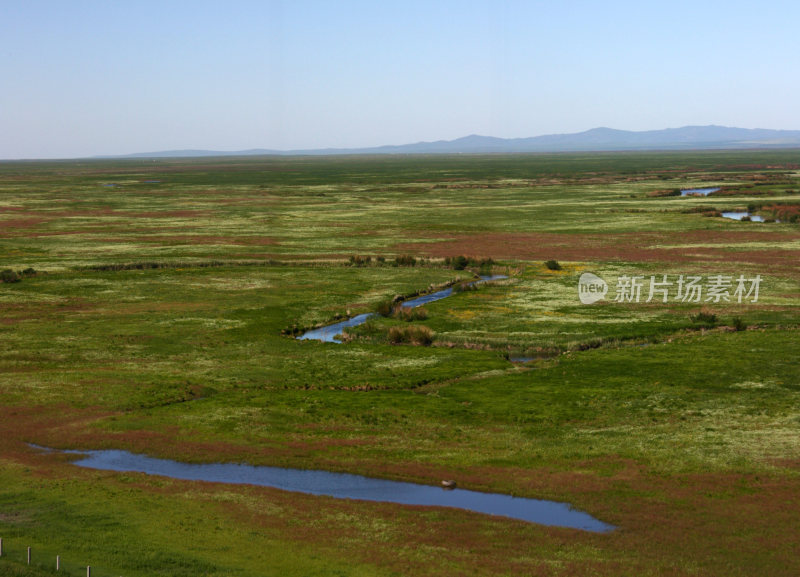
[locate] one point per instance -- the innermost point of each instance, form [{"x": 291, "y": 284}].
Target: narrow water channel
[
  {"x": 346, "y": 486},
  {"x": 328, "y": 333}
]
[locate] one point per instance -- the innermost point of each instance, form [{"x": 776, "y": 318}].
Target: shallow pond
[
  {"x": 740, "y": 215},
  {"x": 698, "y": 191},
  {"x": 346, "y": 486},
  {"x": 328, "y": 333}
]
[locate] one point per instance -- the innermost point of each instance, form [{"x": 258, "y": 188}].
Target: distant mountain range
[{"x": 596, "y": 139}]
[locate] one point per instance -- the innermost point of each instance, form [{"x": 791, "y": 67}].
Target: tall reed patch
[
  {"x": 409, "y": 314},
  {"x": 414, "y": 334}
]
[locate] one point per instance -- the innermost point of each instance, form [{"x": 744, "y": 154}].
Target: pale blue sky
[{"x": 90, "y": 77}]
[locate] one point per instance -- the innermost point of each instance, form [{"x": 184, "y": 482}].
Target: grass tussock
[
  {"x": 414, "y": 335},
  {"x": 704, "y": 317},
  {"x": 9, "y": 276},
  {"x": 409, "y": 314}
]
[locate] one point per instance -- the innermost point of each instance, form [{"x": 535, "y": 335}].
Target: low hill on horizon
[{"x": 594, "y": 140}]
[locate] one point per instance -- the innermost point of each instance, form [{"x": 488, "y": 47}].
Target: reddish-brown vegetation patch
[
  {"x": 20, "y": 224},
  {"x": 629, "y": 247},
  {"x": 783, "y": 212}
]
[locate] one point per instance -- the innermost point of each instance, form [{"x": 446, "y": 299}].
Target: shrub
[
  {"x": 405, "y": 260},
  {"x": 704, "y": 317},
  {"x": 460, "y": 262},
  {"x": 739, "y": 324},
  {"x": 292, "y": 331},
  {"x": 9, "y": 275},
  {"x": 396, "y": 335},
  {"x": 385, "y": 307},
  {"x": 552, "y": 264}
]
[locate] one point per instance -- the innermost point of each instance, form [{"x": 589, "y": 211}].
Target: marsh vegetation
[{"x": 161, "y": 320}]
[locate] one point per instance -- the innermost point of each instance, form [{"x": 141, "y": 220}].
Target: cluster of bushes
[
  {"x": 456, "y": 262},
  {"x": 149, "y": 265},
  {"x": 708, "y": 318},
  {"x": 661, "y": 192},
  {"x": 405, "y": 260},
  {"x": 357, "y": 260},
  {"x": 461, "y": 262},
  {"x": 9, "y": 276},
  {"x": 413, "y": 334},
  {"x": 703, "y": 210},
  {"x": 293, "y": 331}
]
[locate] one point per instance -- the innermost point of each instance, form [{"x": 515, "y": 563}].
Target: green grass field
[{"x": 156, "y": 304}]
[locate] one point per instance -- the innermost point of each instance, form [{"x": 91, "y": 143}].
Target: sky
[{"x": 90, "y": 77}]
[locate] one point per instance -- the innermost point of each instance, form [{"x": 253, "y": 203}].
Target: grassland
[{"x": 155, "y": 314}]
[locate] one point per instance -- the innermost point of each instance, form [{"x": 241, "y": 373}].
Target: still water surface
[
  {"x": 347, "y": 486},
  {"x": 698, "y": 191}
]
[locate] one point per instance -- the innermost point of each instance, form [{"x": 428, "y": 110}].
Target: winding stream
[
  {"x": 328, "y": 333},
  {"x": 344, "y": 485}
]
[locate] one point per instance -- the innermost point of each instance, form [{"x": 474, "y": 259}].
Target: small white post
[
  {"x": 29, "y": 555},
  {"x": 1, "y": 546},
  {"x": 88, "y": 571},
  {"x": 58, "y": 562}
]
